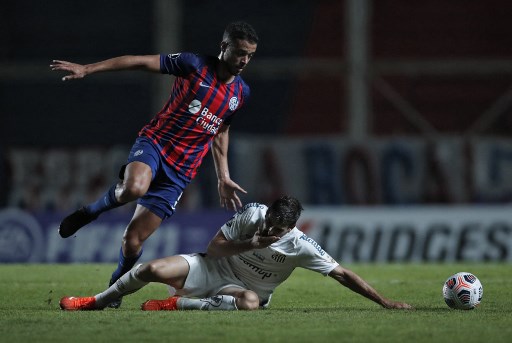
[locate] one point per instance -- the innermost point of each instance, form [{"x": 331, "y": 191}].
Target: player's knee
[
  {"x": 132, "y": 244},
  {"x": 132, "y": 190},
  {"x": 248, "y": 300},
  {"x": 149, "y": 271}
]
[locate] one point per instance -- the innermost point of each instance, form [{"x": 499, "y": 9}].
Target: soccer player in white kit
[{"x": 252, "y": 254}]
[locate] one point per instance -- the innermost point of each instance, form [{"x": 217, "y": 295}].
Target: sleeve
[
  {"x": 314, "y": 258},
  {"x": 179, "y": 64},
  {"x": 246, "y": 93},
  {"x": 245, "y": 222}
]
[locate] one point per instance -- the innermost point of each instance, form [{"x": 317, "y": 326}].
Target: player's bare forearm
[
  {"x": 143, "y": 62},
  {"x": 228, "y": 248},
  {"x": 78, "y": 71},
  {"x": 220, "y": 153},
  {"x": 354, "y": 282},
  {"x": 220, "y": 246},
  {"x": 227, "y": 188}
]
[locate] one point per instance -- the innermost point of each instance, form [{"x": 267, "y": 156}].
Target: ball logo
[
  {"x": 233, "y": 103},
  {"x": 195, "y": 106}
]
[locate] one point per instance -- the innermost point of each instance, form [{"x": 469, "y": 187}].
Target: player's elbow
[{"x": 214, "y": 250}]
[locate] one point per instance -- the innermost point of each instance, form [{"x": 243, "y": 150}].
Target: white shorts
[{"x": 207, "y": 277}]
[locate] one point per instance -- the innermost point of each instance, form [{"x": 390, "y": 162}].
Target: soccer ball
[{"x": 462, "y": 291}]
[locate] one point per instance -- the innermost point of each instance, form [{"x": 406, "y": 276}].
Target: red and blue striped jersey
[{"x": 198, "y": 105}]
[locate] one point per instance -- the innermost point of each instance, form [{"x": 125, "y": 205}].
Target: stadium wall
[
  {"x": 318, "y": 171},
  {"x": 350, "y": 234}
]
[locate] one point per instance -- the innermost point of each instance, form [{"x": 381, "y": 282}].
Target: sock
[
  {"x": 127, "y": 284},
  {"x": 124, "y": 265},
  {"x": 106, "y": 202},
  {"x": 215, "y": 303}
]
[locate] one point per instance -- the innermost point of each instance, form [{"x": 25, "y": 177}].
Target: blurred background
[{"x": 395, "y": 110}]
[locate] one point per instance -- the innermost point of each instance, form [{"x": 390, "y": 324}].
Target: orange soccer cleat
[
  {"x": 78, "y": 304},
  {"x": 169, "y": 304}
]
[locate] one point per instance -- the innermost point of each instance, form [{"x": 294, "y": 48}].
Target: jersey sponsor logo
[
  {"x": 251, "y": 205},
  {"x": 258, "y": 256},
  {"x": 233, "y": 103},
  {"x": 313, "y": 243},
  {"x": 209, "y": 121},
  {"x": 206, "y": 119},
  {"x": 263, "y": 273},
  {"x": 194, "y": 106},
  {"x": 280, "y": 258}
]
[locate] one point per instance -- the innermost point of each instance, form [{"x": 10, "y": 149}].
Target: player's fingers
[
  {"x": 60, "y": 64},
  {"x": 70, "y": 77},
  {"x": 232, "y": 204},
  {"x": 238, "y": 188},
  {"x": 236, "y": 201},
  {"x": 266, "y": 241}
]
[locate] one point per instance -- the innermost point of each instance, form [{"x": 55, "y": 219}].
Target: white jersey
[{"x": 262, "y": 270}]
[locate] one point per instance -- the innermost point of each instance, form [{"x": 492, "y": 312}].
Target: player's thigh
[{"x": 172, "y": 270}]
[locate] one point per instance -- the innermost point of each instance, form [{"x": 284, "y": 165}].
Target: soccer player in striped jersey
[{"x": 206, "y": 94}]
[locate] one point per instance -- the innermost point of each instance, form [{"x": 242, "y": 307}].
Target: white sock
[
  {"x": 127, "y": 284},
  {"x": 215, "y": 303}
]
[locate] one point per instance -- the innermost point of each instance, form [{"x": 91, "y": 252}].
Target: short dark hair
[
  {"x": 285, "y": 211},
  {"x": 240, "y": 30}
]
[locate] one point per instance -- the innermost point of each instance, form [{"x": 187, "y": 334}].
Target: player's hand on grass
[
  {"x": 389, "y": 304},
  {"x": 76, "y": 71},
  {"x": 227, "y": 193}
]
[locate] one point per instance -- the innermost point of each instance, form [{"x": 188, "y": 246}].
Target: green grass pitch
[{"x": 306, "y": 308}]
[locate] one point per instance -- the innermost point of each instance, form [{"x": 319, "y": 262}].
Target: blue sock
[
  {"x": 124, "y": 265},
  {"x": 107, "y": 202}
]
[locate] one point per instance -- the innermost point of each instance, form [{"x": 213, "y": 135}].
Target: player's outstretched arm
[
  {"x": 354, "y": 282},
  {"x": 227, "y": 188},
  {"x": 79, "y": 71}
]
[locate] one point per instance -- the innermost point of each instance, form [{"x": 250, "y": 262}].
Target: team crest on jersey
[
  {"x": 278, "y": 257},
  {"x": 233, "y": 103}
]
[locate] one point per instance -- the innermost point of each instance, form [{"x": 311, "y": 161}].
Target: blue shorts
[{"x": 166, "y": 186}]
